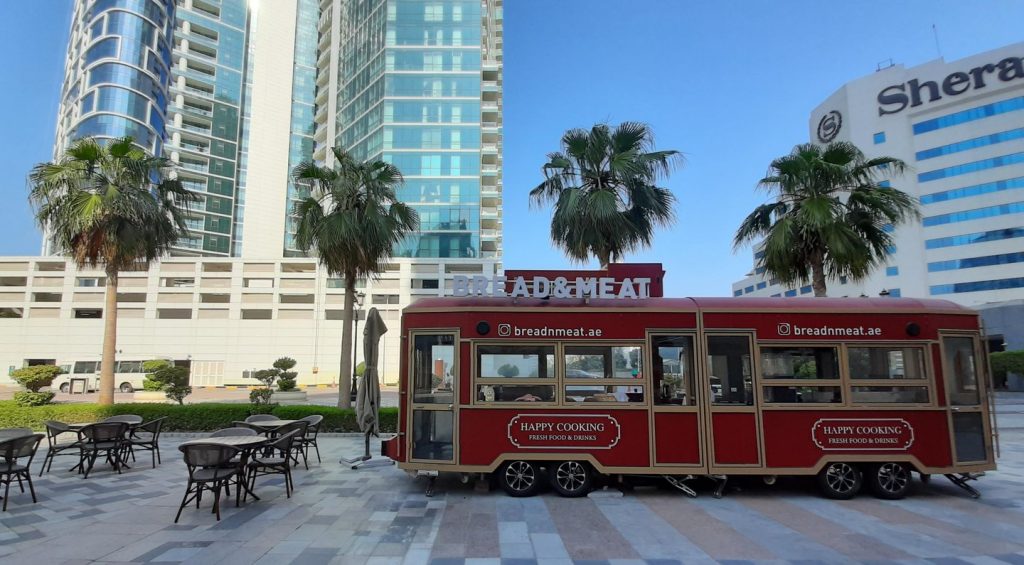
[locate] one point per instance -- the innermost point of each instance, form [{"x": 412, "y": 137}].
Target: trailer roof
[{"x": 698, "y": 303}]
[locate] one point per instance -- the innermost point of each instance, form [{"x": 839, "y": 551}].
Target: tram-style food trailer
[{"x": 579, "y": 383}]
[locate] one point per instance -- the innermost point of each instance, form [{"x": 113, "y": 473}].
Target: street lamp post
[{"x": 355, "y": 341}]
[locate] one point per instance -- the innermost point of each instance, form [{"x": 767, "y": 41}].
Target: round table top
[
  {"x": 271, "y": 424},
  {"x": 233, "y": 441},
  {"x": 9, "y": 434}
]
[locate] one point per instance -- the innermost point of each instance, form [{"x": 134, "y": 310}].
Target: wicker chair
[
  {"x": 54, "y": 430},
  {"x": 10, "y": 467},
  {"x": 271, "y": 465},
  {"x": 102, "y": 438},
  {"x": 147, "y": 437},
  {"x": 297, "y": 448},
  {"x": 261, "y": 418},
  {"x": 209, "y": 468},
  {"x": 238, "y": 431},
  {"x": 315, "y": 420}
]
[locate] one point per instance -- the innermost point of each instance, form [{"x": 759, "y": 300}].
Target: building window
[
  {"x": 972, "y": 167},
  {"x": 975, "y": 214},
  {"x": 970, "y": 115},
  {"x": 88, "y": 313},
  {"x": 891, "y": 250},
  {"x": 972, "y": 262},
  {"x": 791, "y": 293},
  {"x": 894, "y": 293},
  {"x": 969, "y": 144},
  {"x": 805, "y": 289},
  {"x": 761, "y": 285},
  {"x": 737, "y": 292},
  {"x": 748, "y": 289},
  {"x": 971, "y": 238},
  {"x": 879, "y": 137},
  {"x": 620, "y": 364},
  {"x": 892, "y": 271},
  {"x": 973, "y": 190},
  {"x": 977, "y": 286}
]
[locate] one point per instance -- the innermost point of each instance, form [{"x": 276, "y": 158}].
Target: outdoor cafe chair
[
  {"x": 297, "y": 447},
  {"x": 271, "y": 465},
  {"x": 234, "y": 432},
  {"x": 209, "y": 468},
  {"x": 106, "y": 438},
  {"x": 11, "y": 451},
  {"x": 261, "y": 418},
  {"x": 54, "y": 430},
  {"x": 147, "y": 437},
  {"x": 315, "y": 420}
]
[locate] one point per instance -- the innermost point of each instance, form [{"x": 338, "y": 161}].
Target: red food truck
[{"x": 555, "y": 377}]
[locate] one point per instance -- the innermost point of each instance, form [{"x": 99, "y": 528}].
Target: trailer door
[
  {"x": 433, "y": 373},
  {"x": 965, "y": 392},
  {"x": 677, "y": 415},
  {"x": 732, "y": 404}
]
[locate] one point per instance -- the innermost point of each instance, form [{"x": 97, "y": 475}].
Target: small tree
[
  {"x": 34, "y": 378},
  {"x": 1005, "y": 362},
  {"x": 163, "y": 376},
  {"x": 285, "y": 376},
  {"x": 508, "y": 370},
  {"x": 261, "y": 396}
]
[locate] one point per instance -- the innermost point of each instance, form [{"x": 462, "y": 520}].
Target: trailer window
[
  {"x": 890, "y": 394},
  {"x": 604, "y": 393},
  {"x": 961, "y": 375},
  {"x": 803, "y": 394},
  {"x": 799, "y": 363},
  {"x": 602, "y": 362},
  {"x": 729, "y": 370},
  {"x": 515, "y": 373},
  {"x": 673, "y": 369},
  {"x": 515, "y": 362},
  {"x": 882, "y": 363},
  {"x": 433, "y": 367}
]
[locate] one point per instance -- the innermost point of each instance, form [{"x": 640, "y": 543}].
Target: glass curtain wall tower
[{"x": 418, "y": 84}]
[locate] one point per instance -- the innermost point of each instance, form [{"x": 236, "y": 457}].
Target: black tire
[
  {"x": 890, "y": 481},
  {"x": 840, "y": 480},
  {"x": 519, "y": 478},
  {"x": 126, "y": 387},
  {"x": 65, "y": 387},
  {"x": 571, "y": 478}
]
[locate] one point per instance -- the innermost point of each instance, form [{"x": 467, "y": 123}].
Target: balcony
[
  {"x": 196, "y": 129},
  {"x": 197, "y": 167}
]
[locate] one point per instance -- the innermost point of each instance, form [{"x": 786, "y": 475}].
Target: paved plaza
[{"x": 380, "y": 515}]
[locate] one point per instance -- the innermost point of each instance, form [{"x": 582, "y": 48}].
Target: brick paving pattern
[{"x": 380, "y": 515}]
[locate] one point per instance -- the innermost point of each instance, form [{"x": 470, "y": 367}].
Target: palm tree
[
  {"x": 603, "y": 186},
  {"x": 830, "y": 214},
  {"x": 352, "y": 220},
  {"x": 111, "y": 204}
]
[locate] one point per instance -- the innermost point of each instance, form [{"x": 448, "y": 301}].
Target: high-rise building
[
  {"x": 959, "y": 126},
  {"x": 418, "y": 84}
]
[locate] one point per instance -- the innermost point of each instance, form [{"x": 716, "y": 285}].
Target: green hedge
[
  {"x": 1004, "y": 362},
  {"x": 187, "y": 418}
]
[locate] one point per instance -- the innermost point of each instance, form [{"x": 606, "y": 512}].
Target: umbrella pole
[{"x": 367, "y": 455}]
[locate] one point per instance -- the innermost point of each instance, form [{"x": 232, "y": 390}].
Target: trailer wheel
[
  {"x": 519, "y": 478},
  {"x": 840, "y": 480},
  {"x": 571, "y": 478},
  {"x": 890, "y": 481}
]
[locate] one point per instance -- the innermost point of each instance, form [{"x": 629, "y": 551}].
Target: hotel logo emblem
[{"x": 828, "y": 127}]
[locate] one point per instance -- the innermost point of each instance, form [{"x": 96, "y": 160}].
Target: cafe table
[
  {"x": 247, "y": 444},
  {"x": 13, "y": 433},
  {"x": 268, "y": 426}
]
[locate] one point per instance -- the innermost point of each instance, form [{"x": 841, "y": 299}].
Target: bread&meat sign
[
  {"x": 558, "y": 287},
  {"x": 840, "y": 434},
  {"x": 564, "y": 431}
]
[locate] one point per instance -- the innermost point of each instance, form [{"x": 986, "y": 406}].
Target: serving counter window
[
  {"x": 887, "y": 375},
  {"x": 604, "y": 373},
  {"x": 515, "y": 373},
  {"x": 672, "y": 356},
  {"x": 800, "y": 375},
  {"x": 729, "y": 370}
]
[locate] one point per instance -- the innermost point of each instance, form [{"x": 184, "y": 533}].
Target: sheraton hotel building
[{"x": 959, "y": 126}]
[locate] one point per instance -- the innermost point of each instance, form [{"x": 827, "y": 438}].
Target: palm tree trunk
[
  {"x": 109, "y": 340},
  {"x": 818, "y": 276},
  {"x": 345, "y": 371},
  {"x": 604, "y": 257}
]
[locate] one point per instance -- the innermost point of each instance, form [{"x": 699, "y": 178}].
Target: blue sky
[{"x": 728, "y": 83}]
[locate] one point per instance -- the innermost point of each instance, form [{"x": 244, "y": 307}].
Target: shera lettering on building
[{"x": 558, "y": 287}]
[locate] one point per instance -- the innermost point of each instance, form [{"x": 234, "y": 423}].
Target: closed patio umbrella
[{"x": 368, "y": 393}]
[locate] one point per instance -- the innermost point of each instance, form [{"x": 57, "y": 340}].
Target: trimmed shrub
[
  {"x": 29, "y": 398},
  {"x": 185, "y": 418},
  {"x": 285, "y": 376},
  {"x": 34, "y": 378},
  {"x": 1004, "y": 362}
]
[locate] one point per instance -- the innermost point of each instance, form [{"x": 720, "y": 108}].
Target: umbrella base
[{"x": 366, "y": 460}]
